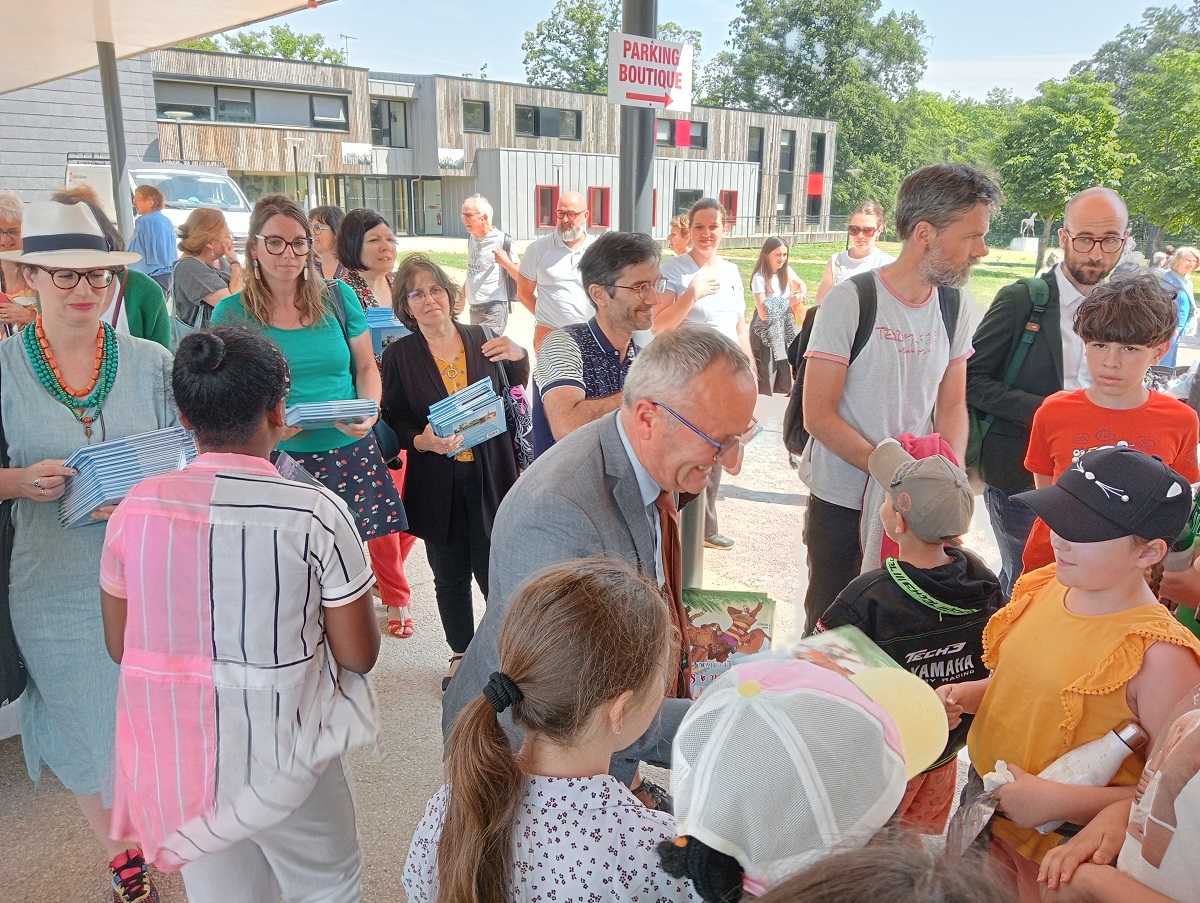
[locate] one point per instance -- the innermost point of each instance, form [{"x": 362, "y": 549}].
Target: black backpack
[{"x": 795, "y": 436}]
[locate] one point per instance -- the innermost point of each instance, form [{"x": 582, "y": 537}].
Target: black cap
[{"x": 1113, "y": 492}]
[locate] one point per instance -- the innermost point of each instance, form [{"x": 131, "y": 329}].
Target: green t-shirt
[{"x": 319, "y": 359}]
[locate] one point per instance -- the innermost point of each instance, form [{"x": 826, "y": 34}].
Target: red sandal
[{"x": 401, "y": 628}]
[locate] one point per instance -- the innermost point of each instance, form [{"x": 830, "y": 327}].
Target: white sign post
[{"x": 647, "y": 72}]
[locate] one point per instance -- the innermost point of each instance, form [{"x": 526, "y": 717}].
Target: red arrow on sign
[{"x": 664, "y": 99}]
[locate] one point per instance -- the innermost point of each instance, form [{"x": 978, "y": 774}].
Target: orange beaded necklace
[{"x": 49, "y": 356}]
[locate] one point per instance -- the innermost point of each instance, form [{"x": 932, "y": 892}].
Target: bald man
[
  {"x": 549, "y": 284},
  {"x": 1094, "y": 235}
]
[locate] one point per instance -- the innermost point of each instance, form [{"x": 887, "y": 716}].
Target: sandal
[
  {"x": 401, "y": 628},
  {"x": 454, "y": 660}
]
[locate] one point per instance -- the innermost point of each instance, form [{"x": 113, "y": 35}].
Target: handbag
[
  {"x": 12, "y": 667},
  {"x": 518, "y": 411},
  {"x": 385, "y": 437}
]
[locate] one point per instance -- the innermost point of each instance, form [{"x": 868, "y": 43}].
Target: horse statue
[{"x": 1027, "y": 224}]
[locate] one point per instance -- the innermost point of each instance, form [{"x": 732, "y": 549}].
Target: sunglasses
[{"x": 866, "y": 231}]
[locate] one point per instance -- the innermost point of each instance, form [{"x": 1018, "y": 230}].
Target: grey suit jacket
[{"x": 579, "y": 499}]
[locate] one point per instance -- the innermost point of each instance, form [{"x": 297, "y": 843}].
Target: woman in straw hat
[{"x": 69, "y": 380}]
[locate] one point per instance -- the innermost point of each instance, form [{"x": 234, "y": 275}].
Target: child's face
[
  {"x": 1099, "y": 565},
  {"x": 1118, "y": 370}
]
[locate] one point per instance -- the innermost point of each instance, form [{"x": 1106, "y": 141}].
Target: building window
[
  {"x": 757, "y": 141},
  {"x": 389, "y": 123},
  {"x": 814, "y": 206},
  {"x": 729, "y": 200},
  {"x": 547, "y": 206},
  {"x": 235, "y": 104},
  {"x": 598, "y": 207},
  {"x": 684, "y": 198},
  {"x": 476, "y": 116},
  {"x": 199, "y": 100},
  {"x": 783, "y": 204},
  {"x": 664, "y": 133},
  {"x": 329, "y": 112},
  {"x": 787, "y": 150},
  {"x": 816, "y": 157},
  {"x": 570, "y": 124},
  {"x": 699, "y": 134},
  {"x": 525, "y": 121}
]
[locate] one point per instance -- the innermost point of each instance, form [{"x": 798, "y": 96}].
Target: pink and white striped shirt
[{"x": 230, "y": 703}]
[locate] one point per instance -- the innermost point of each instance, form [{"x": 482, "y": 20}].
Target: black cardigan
[{"x": 411, "y": 384}]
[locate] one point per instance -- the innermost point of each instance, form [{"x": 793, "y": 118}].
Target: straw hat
[{"x": 67, "y": 236}]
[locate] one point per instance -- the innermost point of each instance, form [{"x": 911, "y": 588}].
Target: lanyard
[{"x": 905, "y": 583}]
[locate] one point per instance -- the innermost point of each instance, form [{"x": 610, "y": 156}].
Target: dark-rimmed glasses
[
  {"x": 571, "y": 215},
  {"x": 732, "y": 444},
  {"x": 276, "y": 246},
  {"x": 1109, "y": 244},
  {"x": 645, "y": 289},
  {"x": 866, "y": 231},
  {"x": 67, "y": 279}
]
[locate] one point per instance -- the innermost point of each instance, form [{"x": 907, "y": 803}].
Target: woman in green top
[{"x": 295, "y": 309}]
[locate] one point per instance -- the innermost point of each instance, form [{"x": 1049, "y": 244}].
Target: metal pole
[
  {"x": 114, "y": 121},
  {"x": 637, "y": 139}
]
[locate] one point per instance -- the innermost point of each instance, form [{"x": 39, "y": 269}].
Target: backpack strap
[
  {"x": 1039, "y": 296},
  {"x": 950, "y": 303},
  {"x": 868, "y": 307}
]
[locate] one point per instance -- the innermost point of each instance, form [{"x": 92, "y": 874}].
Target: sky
[{"x": 1012, "y": 44}]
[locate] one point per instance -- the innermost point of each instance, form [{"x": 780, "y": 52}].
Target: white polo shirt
[{"x": 561, "y": 299}]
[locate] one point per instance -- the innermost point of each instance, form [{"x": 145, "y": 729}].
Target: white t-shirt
[
  {"x": 1075, "y": 372},
  {"x": 892, "y": 385},
  {"x": 485, "y": 277},
  {"x": 1164, "y": 823},
  {"x": 721, "y": 310},
  {"x": 845, "y": 266},
  {"x": 759, "y": 284},
  {"x": 561, "y": 299}
]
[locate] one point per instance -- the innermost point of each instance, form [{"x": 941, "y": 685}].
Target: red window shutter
[
  {"x": 816, "y": 183},
  {"x": 683, "y": 133}
]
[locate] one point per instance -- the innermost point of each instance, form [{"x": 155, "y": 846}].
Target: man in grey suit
[{"x": 688, "y": 405}]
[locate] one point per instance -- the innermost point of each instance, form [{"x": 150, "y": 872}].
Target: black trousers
[
  {"x": 466, "y": 554},
  {"x": 834, "y": 555}
]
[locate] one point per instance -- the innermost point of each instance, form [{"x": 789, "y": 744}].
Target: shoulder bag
[{"x": 518, "y": 412}]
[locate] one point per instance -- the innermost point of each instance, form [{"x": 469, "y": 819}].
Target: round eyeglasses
[
  {"x": 276, "y": 245},
  {"x": 1109, "y": 244},
  {"x": 70, "y": 278},
  {"x": 644, "y": 289}
]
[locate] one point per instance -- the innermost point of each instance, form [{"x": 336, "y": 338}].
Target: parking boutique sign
[{"x": 647, "y": 72}]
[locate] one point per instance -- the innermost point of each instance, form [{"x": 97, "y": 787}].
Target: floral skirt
[{"x": 357, "y": 474}]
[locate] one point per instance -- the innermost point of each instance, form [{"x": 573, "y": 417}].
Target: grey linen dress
[{"x": 68, "y": 710}]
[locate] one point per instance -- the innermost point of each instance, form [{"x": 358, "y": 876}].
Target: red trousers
[{"x": 388, "y": 554}]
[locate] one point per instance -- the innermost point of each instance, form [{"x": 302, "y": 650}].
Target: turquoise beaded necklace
[{"x": 85, "y": 409}]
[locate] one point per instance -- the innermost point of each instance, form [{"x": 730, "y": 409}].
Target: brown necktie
[{"x": 672, "y": 562}]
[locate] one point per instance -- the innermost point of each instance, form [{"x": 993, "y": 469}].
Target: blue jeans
[{"x": 1011, "y": 522}]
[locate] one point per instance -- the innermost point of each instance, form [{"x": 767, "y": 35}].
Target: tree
[
  {"x": 278, "y": 41},
  {"x": 676, "y": 33},
  {"x": 1162, "y": 127},
  {"x": 1129, "y": 54},
  {"x": 569, "y": 48},
  {"x": 1061, "y": 142}
]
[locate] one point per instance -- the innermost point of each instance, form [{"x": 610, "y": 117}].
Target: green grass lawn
[{"x": 998, "y": 269}]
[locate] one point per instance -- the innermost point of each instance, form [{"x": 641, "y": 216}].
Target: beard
[
  {"x": 937, "y": 268},
  {"x": 572, "y": 232},
  {"x": 1085, "y": 273}
]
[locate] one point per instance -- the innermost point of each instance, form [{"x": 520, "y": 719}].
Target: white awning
[{"x": 50, "y": 40}]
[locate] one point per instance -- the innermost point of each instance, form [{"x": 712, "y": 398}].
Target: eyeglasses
[
  {"x": 470, "y": 215},
  {"x": 866, "y": 231},
  {"x": 645, "y": 289},
  {"x": 70, "y": 278},
  {"x": 320, "y": 228},
  {"x": 276, "y": 245},
  {"x": 436, "y": 292},
  {"x": 1109, "y": 244},
  {"x": 10, "y": 234},
  {"x": 723, "y": 449},
  {"x": 569, "y": 214}
]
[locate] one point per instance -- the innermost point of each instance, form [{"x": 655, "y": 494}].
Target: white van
[{"x": 185, "y": 188}]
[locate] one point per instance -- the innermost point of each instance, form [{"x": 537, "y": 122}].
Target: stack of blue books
[
  {"x": 108, "y": 470},
  {"x": 322, "y": 415},
  {"x": 476, "y": 413},
  {"x": 384, "y": 327}
]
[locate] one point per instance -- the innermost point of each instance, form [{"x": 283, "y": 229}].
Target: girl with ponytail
[{"x": 584, "y": 658}]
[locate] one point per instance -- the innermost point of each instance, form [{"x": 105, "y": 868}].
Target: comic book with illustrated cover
[{"x": 723, "y": 624}]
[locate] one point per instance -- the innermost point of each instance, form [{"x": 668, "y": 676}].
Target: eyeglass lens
[
  {"x": 70, "y": 278},
  {"x": 868, "y": 231},
  {"x": 276, "y": 245}
]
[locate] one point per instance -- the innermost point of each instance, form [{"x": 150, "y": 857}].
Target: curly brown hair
[{"x": 1132, "y": 309}]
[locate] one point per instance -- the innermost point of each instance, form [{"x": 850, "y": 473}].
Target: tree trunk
[
  {"x": 1044, "y": 241},
  {"x": 1154, "y": 237}
]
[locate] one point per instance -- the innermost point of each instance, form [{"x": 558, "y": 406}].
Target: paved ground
[{"x": 49, "y": 854}]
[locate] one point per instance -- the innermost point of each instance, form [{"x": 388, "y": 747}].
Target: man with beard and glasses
[
  {"x": 1093, "y": 237},
  {"x": 906, "y": 375},
  {"x": 548, "y": 283}
]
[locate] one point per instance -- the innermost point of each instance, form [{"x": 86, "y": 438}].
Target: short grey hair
[
  {"x": 1185, "y": 251},
  {"x": 663, "y": 369},
  {"x": 481, "y": 204},
  {"x": 942, "y": 193},
  {"x": 11, "y": 206}
]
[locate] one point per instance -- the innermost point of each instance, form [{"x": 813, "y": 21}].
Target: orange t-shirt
[{"x": 1069, "y": 424}]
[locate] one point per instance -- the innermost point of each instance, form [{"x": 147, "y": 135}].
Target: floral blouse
[{"x": 575, "y": 839}]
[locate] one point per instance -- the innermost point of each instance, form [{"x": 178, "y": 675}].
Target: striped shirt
[{"x": 230, "y": 702}]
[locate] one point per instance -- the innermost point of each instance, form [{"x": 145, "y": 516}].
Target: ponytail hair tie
[{"x": 501, "y": 692}]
